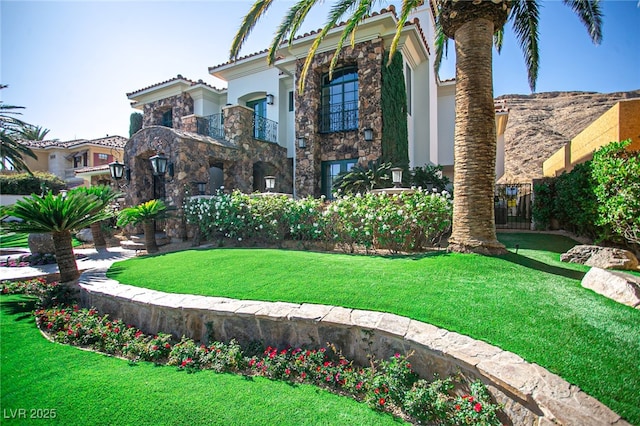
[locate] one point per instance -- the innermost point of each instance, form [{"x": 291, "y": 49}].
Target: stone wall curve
[{"x": 531, "y": 395}]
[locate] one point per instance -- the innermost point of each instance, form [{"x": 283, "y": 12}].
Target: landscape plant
[
  {"x": 107, "y": 195},
  {"x": 59, "y": 215},
  {"x": 146, "y": 214}
]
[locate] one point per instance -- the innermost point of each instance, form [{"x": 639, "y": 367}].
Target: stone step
[{"x": 161, "y": 238}]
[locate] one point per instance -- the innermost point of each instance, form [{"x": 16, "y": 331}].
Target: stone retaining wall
[{"x": 531, "y": 395}]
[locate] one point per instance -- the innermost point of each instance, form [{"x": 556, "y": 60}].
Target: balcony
[
  {"x": 211, "y": 125},
  {"x": 265, "y": 129},
  {"x": 339, "y": 117}
]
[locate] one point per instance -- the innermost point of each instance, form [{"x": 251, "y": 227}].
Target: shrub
[
  {"x": 617, "y": 173},
  {"x": 542, "y": 210},
  {"x": 400, "y": 222},
  {"x": 575, "y": 205},
  {"x": 26, "y": 184}
]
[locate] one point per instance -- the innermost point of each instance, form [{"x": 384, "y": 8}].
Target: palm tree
[
  {"x": 33, "y": 133},
  {"x": 474, "y": 26},
  {"x": 12, "y": 152},
  {"x": 59, "y": 215},
  {"x": 106, "y": 195},
  {"x": 145, "y": 214}
]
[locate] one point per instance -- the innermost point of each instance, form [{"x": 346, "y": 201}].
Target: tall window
[
  {"x": 331, "y": 170},
  {"x": 167, "y": 118},
  {"x": 339, "y": 101}
]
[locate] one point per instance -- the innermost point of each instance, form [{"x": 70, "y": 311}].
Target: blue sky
[{"x": 72, "y": 63}]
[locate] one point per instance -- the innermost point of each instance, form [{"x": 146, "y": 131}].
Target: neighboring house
[
  {"x": 620, "y": 122},
  {"x": 78, "y": 162},
  {"x": 260, "y": 124}
]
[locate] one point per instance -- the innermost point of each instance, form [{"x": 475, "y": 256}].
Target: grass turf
[
  {"x": 528, "y": 303},
  {"x": 21, "y": 240},
  {"x": 88, "y": 388}
]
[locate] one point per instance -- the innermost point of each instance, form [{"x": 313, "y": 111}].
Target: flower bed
[
  {"x": 386, "y": 385},
  {"x": 34, "y": 259}
]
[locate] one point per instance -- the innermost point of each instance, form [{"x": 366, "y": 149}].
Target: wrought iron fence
[
  {"x": 512, "y": 206},
  {"x": 339, "y": 117},
  {"x": 211, "y": 125},
  {"x": 265, "y": 129}
]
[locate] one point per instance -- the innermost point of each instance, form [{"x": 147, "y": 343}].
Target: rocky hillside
[{"x": 541, "y": 123}]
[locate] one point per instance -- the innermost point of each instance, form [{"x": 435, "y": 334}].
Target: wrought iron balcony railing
[
  {"x": 339, "y": 117},
  {"x": 265, "y": 129},
  {"x": 211, "y": 125}
]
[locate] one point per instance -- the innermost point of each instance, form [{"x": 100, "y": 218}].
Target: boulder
[
  {"x": 85, "y": 235},
  {"x": 618, "y": 286},
  {"x": 601, "y": 257},
  {"x": 41, "y": 243}
]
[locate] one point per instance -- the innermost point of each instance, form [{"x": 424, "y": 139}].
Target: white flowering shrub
[{"x": 400, "y": 222}]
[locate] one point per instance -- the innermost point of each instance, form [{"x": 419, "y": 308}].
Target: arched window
[{"x": 339, "y": 101}]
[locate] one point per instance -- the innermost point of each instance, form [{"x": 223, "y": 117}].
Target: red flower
[
  {"x": 252, "y": 362},
  {"x": 167, "y": 345},
  {"x": 303, "y": 375},
  {"x": 116, "y": 330},
  {"x": 376, "y": 391},
  {"x": 470, "y": 399},
  {"x": 287, "y": 371},
  {"x": 49, "y": 326},
  {"x": 457, "y": 407},
  {"x": 382, "y": 401},
  {"x": 478, "y": 407},
  {"x": 359, "y": 385},
  {"x": 154, "y": 347},
  {"x": 138, "y": 334}
]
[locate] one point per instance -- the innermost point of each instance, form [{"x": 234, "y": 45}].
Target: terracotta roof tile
[
  {"x": 108, "y": 141},
  {"x": 179, "y": 77}
]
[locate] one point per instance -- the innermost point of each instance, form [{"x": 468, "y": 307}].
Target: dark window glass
[{"x": 339, "y": 101}]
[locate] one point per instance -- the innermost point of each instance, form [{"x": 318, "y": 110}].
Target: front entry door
[{"x": 259, "y": 107}]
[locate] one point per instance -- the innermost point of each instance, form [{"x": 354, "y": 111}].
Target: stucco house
[
  {"x": 260, "y": 124},
  {"x": 79, "y": 162}
]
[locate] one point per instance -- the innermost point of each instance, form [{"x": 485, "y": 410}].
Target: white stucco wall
[
  {"x": 59, "y": 164},
  {"x": 255, "y": 86},
  {"x": 421, "y": 115},
  {"x": 446, "y": 124},
  {"x": 500, "y": 157},
  {"x": 286, "y": 128}
]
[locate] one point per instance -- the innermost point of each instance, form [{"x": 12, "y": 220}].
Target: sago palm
[
  {"x": 106, "y": 195},
  {"x": 474, "y": 25},
  {"x": 145, "y": 214},
  {"x": 59, "y": 215}
]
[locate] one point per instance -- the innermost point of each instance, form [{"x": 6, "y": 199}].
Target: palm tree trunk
[
  {"x": 475, "y": 142},
  {"x": 99, "y": 241},
  {"x": 150, "y": 236},
  {"x": 65, "y": 258}
]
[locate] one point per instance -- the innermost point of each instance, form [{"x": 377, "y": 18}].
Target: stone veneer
[
  {"x": 368, "y": 58},
  {"x": 192, "y": 155},
  {"x": 531, "y": 395},
  {"x": 181, "y": 105}
]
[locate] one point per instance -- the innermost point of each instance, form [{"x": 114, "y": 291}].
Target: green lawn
[
  {"x": 528, "y": 303},
  {"x": 85, "y": 388},
  {"x": 18, "y": 239}
]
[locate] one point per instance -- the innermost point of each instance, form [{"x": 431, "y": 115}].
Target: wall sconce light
[
  {"x": 302, "y": 142},
  {"x": 202, "y": 186},
  {"x": 159, "y": 164},
  {"x": 396, "y": 177},
  {"x": 269, "y": 183},
  {"x": 116, "y": 169},
  {"x": 368, "y": 134},
  {"x": 270, "y": 99}
]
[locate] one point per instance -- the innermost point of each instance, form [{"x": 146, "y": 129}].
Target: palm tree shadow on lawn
[
  {"x": 26, "y": 306},
  {"x": 527, "y": 262}
]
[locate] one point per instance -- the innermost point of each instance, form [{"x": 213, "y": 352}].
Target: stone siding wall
[
  {"x": 531, "y": 395},
  {"x": 368, "y": 58},
  {"x": 192, "y": 155},
  {"x": 181, "y": 105}
]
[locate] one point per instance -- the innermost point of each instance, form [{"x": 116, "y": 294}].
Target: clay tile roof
[
  {"x": 108, "y": 141},
  {"x": 179, "y": 77},
  {"x": 391, "y": 9}
]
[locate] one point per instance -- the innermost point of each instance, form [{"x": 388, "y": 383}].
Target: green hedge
[
  {"x": 26, "y": 184},
  {"x": 599, "y": 199}
]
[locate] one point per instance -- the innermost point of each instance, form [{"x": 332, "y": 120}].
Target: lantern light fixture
[
  {"x": 159, "y": 164},
  {"x": 270, "y": 99},
  {"x": 302, "y": 142},
  {"x": 269, "y": 183},
  {"x": 202, "y": 186},
  {"x": 368, "y": 134},
  {"x": 396, "y": 177}
]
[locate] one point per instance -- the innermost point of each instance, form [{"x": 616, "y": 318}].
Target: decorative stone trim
[{"x": 531, "y": 395}]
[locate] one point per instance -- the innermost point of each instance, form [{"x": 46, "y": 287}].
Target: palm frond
[
  {"x": 498, "y": 39},
  {"x": 407, "y": 7},
  {"x": 149, "y": 210},
  {"x": 258, "y": 9},
  {"x": 525, "y": 16},
  {"x": 289, "y": 26},
  {"x": 12, "y": 152},
  {"x": 590, "y": 15},
  {"x": 441, "y": 42}
]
